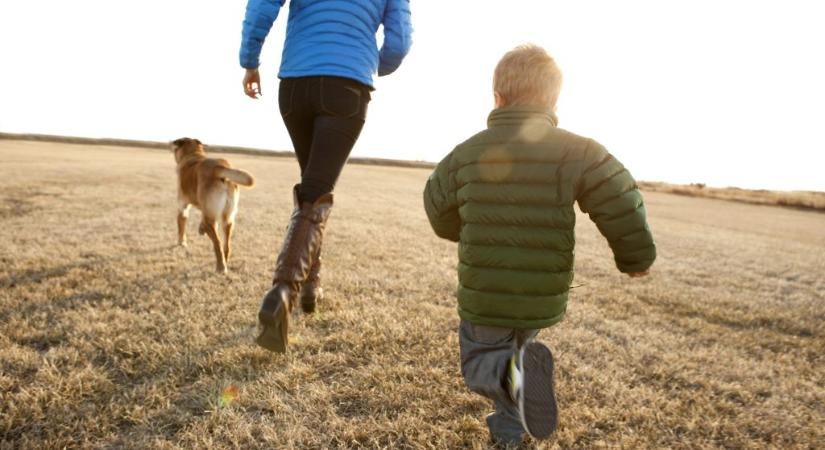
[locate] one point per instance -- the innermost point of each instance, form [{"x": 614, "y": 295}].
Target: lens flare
[
  {"x": 496, "y": 164},
  {"x": 533, "y": 132},
  {"x": 229, "y": 395}
]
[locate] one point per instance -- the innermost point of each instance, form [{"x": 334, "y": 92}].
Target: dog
[{"x": 210, "y": 185}]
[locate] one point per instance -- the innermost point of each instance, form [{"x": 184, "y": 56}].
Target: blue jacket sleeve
[
  {"x": 397, "y": 36},
  {"x": 260, "y": 15}
]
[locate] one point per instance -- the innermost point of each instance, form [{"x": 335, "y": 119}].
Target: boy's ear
[{"x": 499, "y": 99}]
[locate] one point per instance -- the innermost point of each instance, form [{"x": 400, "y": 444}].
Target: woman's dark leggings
[{"x": 324, "y": 116}]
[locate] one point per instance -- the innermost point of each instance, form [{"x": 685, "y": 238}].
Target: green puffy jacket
[{"x": 507, "y": 194}]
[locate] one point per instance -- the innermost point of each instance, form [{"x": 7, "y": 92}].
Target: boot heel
[
  {"x": 275, "y": 326},
  {"x": 310, "y": 299},
  {"x": 308, "y": 308}
]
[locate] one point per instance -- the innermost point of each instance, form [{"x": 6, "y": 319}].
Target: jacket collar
[{"x": 518, "y": 115}]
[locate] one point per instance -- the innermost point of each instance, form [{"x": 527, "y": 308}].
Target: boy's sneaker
[{"x": 531, "y": 387}]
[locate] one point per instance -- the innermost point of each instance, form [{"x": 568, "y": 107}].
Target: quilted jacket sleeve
[
  {"x": 260, "y": 15},
  {"x": 397, "y": 36},
  {"x": 440, "y": 202},
  {"x": 608, "y": 193}
]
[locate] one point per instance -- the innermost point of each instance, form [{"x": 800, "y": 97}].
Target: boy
[{"x": 506, "y": 196}]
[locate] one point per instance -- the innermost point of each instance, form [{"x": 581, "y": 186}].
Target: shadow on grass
[
  {"x": 140, "y": 373},
  {"x": 35, "y": 276}
]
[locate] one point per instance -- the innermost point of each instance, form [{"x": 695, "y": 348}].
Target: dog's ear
[
  {"x": 198, "y": 142},
  {"x": 179, "y": 142}
]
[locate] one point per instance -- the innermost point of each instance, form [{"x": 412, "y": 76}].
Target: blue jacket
[{"x": 331, "y": 37}]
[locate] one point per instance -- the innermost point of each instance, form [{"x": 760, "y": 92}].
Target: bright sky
[{"x": 729, "y": 93}]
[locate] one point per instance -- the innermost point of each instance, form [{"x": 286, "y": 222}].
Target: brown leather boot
[
  {"x": 299, "y": 250},
  {"x": 312, "y": 292}
]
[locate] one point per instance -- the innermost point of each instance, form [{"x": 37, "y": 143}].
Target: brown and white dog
[{"x": 211, "y": 185}]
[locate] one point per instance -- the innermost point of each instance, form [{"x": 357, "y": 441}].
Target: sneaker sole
[{"x": 539, "y": 412}]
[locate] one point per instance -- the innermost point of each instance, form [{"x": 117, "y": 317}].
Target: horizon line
[{"x": 235, "y": 149}]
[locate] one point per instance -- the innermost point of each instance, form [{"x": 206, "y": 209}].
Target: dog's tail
[{"x": 236, "y": 176}]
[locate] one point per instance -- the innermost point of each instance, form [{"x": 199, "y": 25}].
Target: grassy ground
[
  {"x": 810, "y": 200},
  {"x": 111, "y": 337}
]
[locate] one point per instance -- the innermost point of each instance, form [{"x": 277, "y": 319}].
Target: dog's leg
[
  {"x": 227, "y": 239},
  {"x": 229, "y": 211},
  {"x": 210, "y": 226},
  {"x": 183, "y": 215}
]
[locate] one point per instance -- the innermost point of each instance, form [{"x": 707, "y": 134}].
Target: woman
[{"x": 329, "y": 57}]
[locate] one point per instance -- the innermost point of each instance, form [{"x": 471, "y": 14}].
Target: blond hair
[{"x": 528, "y": 76}]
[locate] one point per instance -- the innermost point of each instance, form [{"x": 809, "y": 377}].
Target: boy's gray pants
[{"x": 485, "y": 357}]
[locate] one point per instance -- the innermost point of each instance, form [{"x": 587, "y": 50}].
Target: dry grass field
[
  {"x": 809, "y": 200},
  {"x": 112, "y": 337}
]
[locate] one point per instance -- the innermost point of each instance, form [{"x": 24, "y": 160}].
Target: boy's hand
[
  {"x": 252, "y": 83},
  {"x": 638, "y": 274}
]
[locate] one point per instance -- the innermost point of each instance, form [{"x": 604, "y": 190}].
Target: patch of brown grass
[
  {"x": 795, "y": 199},
  {"x": 111, "y": 337}
]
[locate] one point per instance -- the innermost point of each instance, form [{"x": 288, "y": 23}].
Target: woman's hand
[{"x": 252, "y": 83}]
